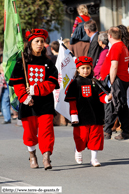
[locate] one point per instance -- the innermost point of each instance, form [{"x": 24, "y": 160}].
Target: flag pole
[
  {"x": 66, "y": 49},
  {"x": 23, "y": 59},
  {"x": 96, "y": 81}
]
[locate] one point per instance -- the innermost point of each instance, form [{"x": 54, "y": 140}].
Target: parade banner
[
  {"x": 13, "y": 43},
  {"x": 66, "y": 70}
]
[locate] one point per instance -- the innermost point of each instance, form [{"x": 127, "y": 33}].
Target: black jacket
[
  {"x": 42, "y": 69},
  {"x": 94, "y": 49},
  {"x": 86, "y": 94}
]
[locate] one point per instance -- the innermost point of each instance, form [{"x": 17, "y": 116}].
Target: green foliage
[{"x": 48, "y": 14}]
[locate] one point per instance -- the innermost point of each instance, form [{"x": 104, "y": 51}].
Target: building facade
[
  {"x": 113, "y": 13},
  {"x": 106, "y": 13}
]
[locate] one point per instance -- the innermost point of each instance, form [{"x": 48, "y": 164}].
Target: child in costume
[
  {"x": 86, "y": 110},
  {"x": 36, "y": 107}
]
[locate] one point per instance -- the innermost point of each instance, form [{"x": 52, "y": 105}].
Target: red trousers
[
  {"x": 90, "y": 136},
  {"x": 41, "y": 126}
]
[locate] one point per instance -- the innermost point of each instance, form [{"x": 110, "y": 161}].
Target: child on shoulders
[{"x": 83, "y": 12}]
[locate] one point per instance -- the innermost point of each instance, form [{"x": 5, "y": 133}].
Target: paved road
[{"x": 111, "y": 178}]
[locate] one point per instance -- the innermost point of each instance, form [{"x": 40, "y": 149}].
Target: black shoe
[
  {"x": 6, "y": 122},
  {"x": 122, "y": 136},
  {"x": 107, "y": 135}
]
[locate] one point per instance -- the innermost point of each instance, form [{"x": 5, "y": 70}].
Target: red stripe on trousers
[
  {"x": 90, "y": 136},
  {"x": 39, "y": 130}
]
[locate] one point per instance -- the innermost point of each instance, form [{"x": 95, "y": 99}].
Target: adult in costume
[{"x": 36, "y": 107}]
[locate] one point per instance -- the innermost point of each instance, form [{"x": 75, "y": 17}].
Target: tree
[{"x": 48, "y": 14}]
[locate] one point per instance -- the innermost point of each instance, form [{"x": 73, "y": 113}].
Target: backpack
[{"x": 79, "y": 33}]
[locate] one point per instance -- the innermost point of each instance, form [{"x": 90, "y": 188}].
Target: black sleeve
[
  {"x": 72, "y": 92},
  {"x": 52, "y": 74},
  {"x": 17, "y": 76}
]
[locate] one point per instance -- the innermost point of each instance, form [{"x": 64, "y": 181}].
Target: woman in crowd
[
  {"x": 103, "y": 42},
  {"x": 125, "y": 35}
]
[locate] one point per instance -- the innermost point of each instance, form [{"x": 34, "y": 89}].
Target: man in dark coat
[{"x": 90, "y": 28}]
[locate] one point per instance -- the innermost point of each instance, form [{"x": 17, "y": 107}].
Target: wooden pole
[{"x": 23, "y": 59}]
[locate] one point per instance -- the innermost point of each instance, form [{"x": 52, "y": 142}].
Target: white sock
[
  {"x": 31, "y": 148},
  {"x": 93, "y": 155},
  {"x": 76, "y": 150}
]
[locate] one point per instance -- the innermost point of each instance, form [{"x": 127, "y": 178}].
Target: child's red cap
[
  {"x": 34, "y": 33},
  {"x": 83, "y": 60}
]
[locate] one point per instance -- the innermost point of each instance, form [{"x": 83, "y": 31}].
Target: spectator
[
  {"x": 67, "y": 42},
  {"x": 78, "y": 33},
  {"x": 83, "y": 12},
  {"x": 116, "y": 65},
  {"x": 54, "y": 49},
  {"x": 80, "y": 48},
  {"x": 15, "y": 114},
  {"x": 125, "y": 40},
  {"x": 48, "y": 47},
  {"x": 125, "y": 35},
  {"x": 92, "y": 31},
  {"x": 128, "y": 28},
  {"x": 1, "y": 56},
  {"x": 103, "y": 42},
  {"x": 5, "y": 101}
]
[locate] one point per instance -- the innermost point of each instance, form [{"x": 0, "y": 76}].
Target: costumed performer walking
[
  {"x": 86, "y": 110},
  {"x": 36, "y": 107}
]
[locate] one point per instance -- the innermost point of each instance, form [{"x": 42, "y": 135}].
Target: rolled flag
[{"x": 13, "y": 44}]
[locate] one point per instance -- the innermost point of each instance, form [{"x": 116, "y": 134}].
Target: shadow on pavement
[
  {"x": 6, "y": 182},
  {"x": 121, "y": 161},
  {"x": 74, "y": 166}
]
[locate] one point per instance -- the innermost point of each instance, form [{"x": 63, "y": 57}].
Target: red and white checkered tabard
[
  {"x": 36, "y": 74},
  {"x": 86, "y": 91}
]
